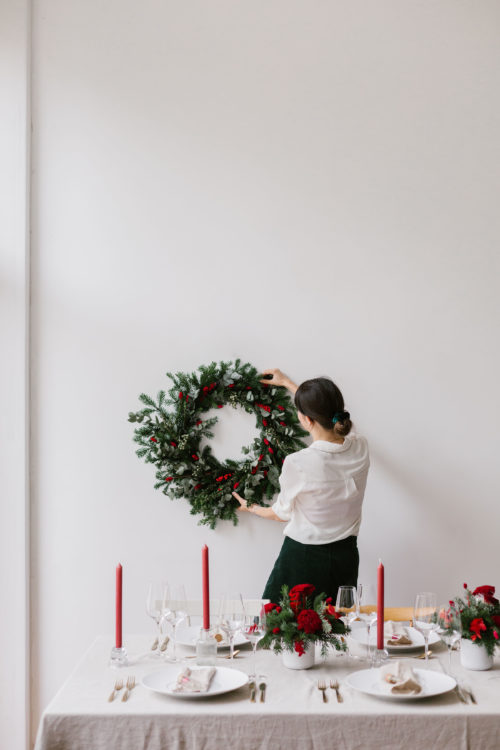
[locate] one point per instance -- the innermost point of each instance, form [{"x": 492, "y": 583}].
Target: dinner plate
[
  {"x": 360, "y": 635},
  {"x": 224, "y": 681},
  {"x": 369, "y": 681},
  {"x": 187, "y": 635}
]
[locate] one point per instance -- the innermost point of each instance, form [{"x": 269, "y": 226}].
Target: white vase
[
  {"x": 292, "y": 660},
  {"x": 474, "y": 655}
]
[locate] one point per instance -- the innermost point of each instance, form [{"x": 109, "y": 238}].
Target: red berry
[
  {"x": 219, "y": 406},
  {"x": 197, "y": 486},
  {"x": 168, "y": 479},
  {"x": 198, "y": 421},
  {"x": 266, "y": 441},
  {"x": 281, "y": 408},
  {"x": 195, "y": 457},
  {"x": 270, "y": 450},
  {"x": 264, "y": 422},
  {"x": 235, "y": 485},
  {"x": 231, "y": 385},
  {"x": 180, "y": 394},
  {"x": 283, "y": 424},
  {"x": 153, "y": 440},
  {"x": 276, "y": 630},
  {"x": 173, "y": 443}
]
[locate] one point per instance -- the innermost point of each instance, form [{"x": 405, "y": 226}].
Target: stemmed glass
[
  {"x": 425, "y": 617},
  {"x": 449, "y": 627},
  {"x": 347, "y": 603},
  {"x": 155, "y": 600},
  {"x": 174, "y": 612},
  {"x": 369, "y": 616},
  {"x": 254, "y": 629},
  {"x": 231, "y": 618}
]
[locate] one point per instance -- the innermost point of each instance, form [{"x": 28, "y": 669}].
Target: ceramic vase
[
  {"x": 292, "y": 660},
  {"x": 474, "y": 655}
]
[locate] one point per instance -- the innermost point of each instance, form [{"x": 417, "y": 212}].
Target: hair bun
[{"x": 341, "y": 416}]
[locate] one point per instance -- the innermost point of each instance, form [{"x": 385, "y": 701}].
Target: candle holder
[
  {"x": 118, "y": 657},
  {"x": 379, "y": 657}
]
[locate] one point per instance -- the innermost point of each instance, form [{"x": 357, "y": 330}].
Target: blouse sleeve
[{"x": 291, "y": 483}]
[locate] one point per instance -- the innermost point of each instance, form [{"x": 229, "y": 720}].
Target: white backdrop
[{"x": 306, "y": 185}]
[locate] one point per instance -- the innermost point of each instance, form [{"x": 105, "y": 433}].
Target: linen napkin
[
  {"x": 396, "y": 634},
  {"x": 400, "y": 678},
  {"x": 194, "y": 680}
]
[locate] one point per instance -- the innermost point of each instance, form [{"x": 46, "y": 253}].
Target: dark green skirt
[{"x": 326, "y": 566}]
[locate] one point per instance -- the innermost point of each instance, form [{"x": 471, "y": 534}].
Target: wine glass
[
  {"x": 175, "y": 611},
  {"x": 155, "y": 599},
  {"x": 449, "y": 627},
  {"x": 231, "y": 618},
  {"x": 425, "y": 617},
  {"x": 367, "y": 613},
  {"x": 254, "y": 628},
  {"x": 347, "y": 603}
]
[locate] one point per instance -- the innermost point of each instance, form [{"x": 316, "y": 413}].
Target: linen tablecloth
[{"x": 293, "y": 717}]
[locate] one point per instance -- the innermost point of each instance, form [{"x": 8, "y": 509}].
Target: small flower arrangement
[
  {"x": 300, "y": 619},
  {"x": 480, "y": 616}
]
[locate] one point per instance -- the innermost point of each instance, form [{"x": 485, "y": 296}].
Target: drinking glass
[
  {"x": 449, "y": 627},
  {"x": 347, "y": 603},
  {"x": 231, "y": 618},
  {"x": 367, "y": 613},
  {"x": 155, "y": 600},
  {"x": 254, "y": 628},
  {"x": 174, "y": 612},
  {"x": 425, "y": 617}
]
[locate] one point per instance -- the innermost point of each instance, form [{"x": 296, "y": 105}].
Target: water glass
[
  {"x": 174, "y": 612},
  {"x": 254, "y": 629},
  {"x": 425, "y": 617},
  {"x": 155, "y": 600},
  {"x": 449, "y": 627},
  {"x": 231, "y": 618}
]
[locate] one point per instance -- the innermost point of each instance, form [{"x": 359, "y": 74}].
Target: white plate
[
  {"x": 360, "y": 635},
  {"x": 187, "y": 635},
  {"x": 224, "y": 681},
  {"x": 369, "y": 681}
]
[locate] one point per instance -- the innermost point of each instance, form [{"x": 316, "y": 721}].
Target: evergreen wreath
[{"x": 170, "y": 439}]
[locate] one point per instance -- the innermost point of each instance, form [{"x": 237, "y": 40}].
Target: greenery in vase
[
  {"x": 480, "y": 616},
  {"x": 300, "y": 619}
]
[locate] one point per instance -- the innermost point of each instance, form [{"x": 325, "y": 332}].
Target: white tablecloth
[{"x": 293, "y": 717}]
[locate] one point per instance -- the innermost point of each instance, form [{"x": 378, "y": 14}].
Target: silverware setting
[
  {"x": 253, "y": 691},
  {"x": 322, "y": 686},
  {"x": 262, "y": 688},
  {"x": 334, "y": 685},
  {"x": 463, "y": 692},
  {"x": 118, "y": 686},
  {"x": 129, "y": 687},
  {"x": 155, "y": 645},
  {"x": 164, "y": 644}
]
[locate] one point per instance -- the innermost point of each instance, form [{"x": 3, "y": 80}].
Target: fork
[
  {"x": 335, "y": 686},
  {"x": 118, "y": 686},
  {"x": 130, "y": 686},
  {"x": 322, "y": 687}
]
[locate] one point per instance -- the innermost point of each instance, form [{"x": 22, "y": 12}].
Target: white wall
[
  {"x": 306, "y": 185},
  {"x": 14, "y": 314}
]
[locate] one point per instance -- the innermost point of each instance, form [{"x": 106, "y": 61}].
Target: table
[{"x": 293, "y": 716}]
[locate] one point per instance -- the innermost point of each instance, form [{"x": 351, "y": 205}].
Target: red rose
[
  {"x": 487, "y": 593},
  {"x": 309, "y": 621},
  {"x": 153, "y": 440},
  {"x": 168, "y": 479},
  {"x": 299, "y": 647},
  {"x": 477, "y": 626},
  {"x": 269, "y": 607},
  {"x": 276, "y": 630},
  {"x": 298, "y": 595}
]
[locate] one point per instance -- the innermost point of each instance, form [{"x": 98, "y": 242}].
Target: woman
[{"x": 322, "y": 490}]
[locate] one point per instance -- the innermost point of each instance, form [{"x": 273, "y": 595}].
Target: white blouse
[{"x": 322, "y": 490}]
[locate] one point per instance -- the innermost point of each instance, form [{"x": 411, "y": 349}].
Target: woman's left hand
[{"x": 241, "y": 500}]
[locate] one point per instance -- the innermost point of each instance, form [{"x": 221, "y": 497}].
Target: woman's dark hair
[{"x": 321, "y": 400}]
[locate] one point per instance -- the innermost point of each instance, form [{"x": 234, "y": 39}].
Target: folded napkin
[
  {"x": 396, "y": 634},
  {"x": 194, "y": 680},
  {"x": 400, "y": 678}
]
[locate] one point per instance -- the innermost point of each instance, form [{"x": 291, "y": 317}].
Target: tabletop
[{"x": 292, "y": 717}]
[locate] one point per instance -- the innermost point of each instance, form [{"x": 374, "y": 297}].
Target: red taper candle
[
  {"x": 206, "y": 587},
  {"x": 380, "y": 606},
  {"x": 118, "y": 628}
]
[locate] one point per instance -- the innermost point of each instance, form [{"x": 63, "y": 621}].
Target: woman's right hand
[{"x": 278, "y": 378}]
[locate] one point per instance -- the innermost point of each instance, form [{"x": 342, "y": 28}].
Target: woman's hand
[
  {"x": 241, "y": 500},
  {"x": 279, "y": 378}
]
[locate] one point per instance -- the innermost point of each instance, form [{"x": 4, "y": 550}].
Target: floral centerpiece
[
  {"x": 480, "y": 616},
  {"x": 301, "y": 619}
]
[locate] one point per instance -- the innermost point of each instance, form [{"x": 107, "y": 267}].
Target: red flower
[
  {"x": 168, "y": 479},
  {"x": 219, "y": 406},
  {"x": 278, "y": 609},
  {"x": 309, "y": 621},
  {"x": 276, "y": 630},
  {"x": 283, "y": 424},
  {"x": 299, "y": 647},
  {"x": 195, "y": 457},
  {"x": 487, "y": 593},
  {"x": 264, "y": 422},
  {"x": 298, "y": 595},
  {"x": 330, "y": 610},
  {"x": 329, "y": 600},
  {"x": 197, "y": 487},
  {"x": 205, "y": 389},
  {"x": 269, "y": 607},
  {"x": 465, "y": 586},
  {"x": 281, "y": 408},
  {"x": 451, "y": 603},
  {"x": 235, "y": 485},
  {"x": 153, "y": 440},
  {"x": 477, "y": 626},
  {"x": 180, "y": 394}
]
